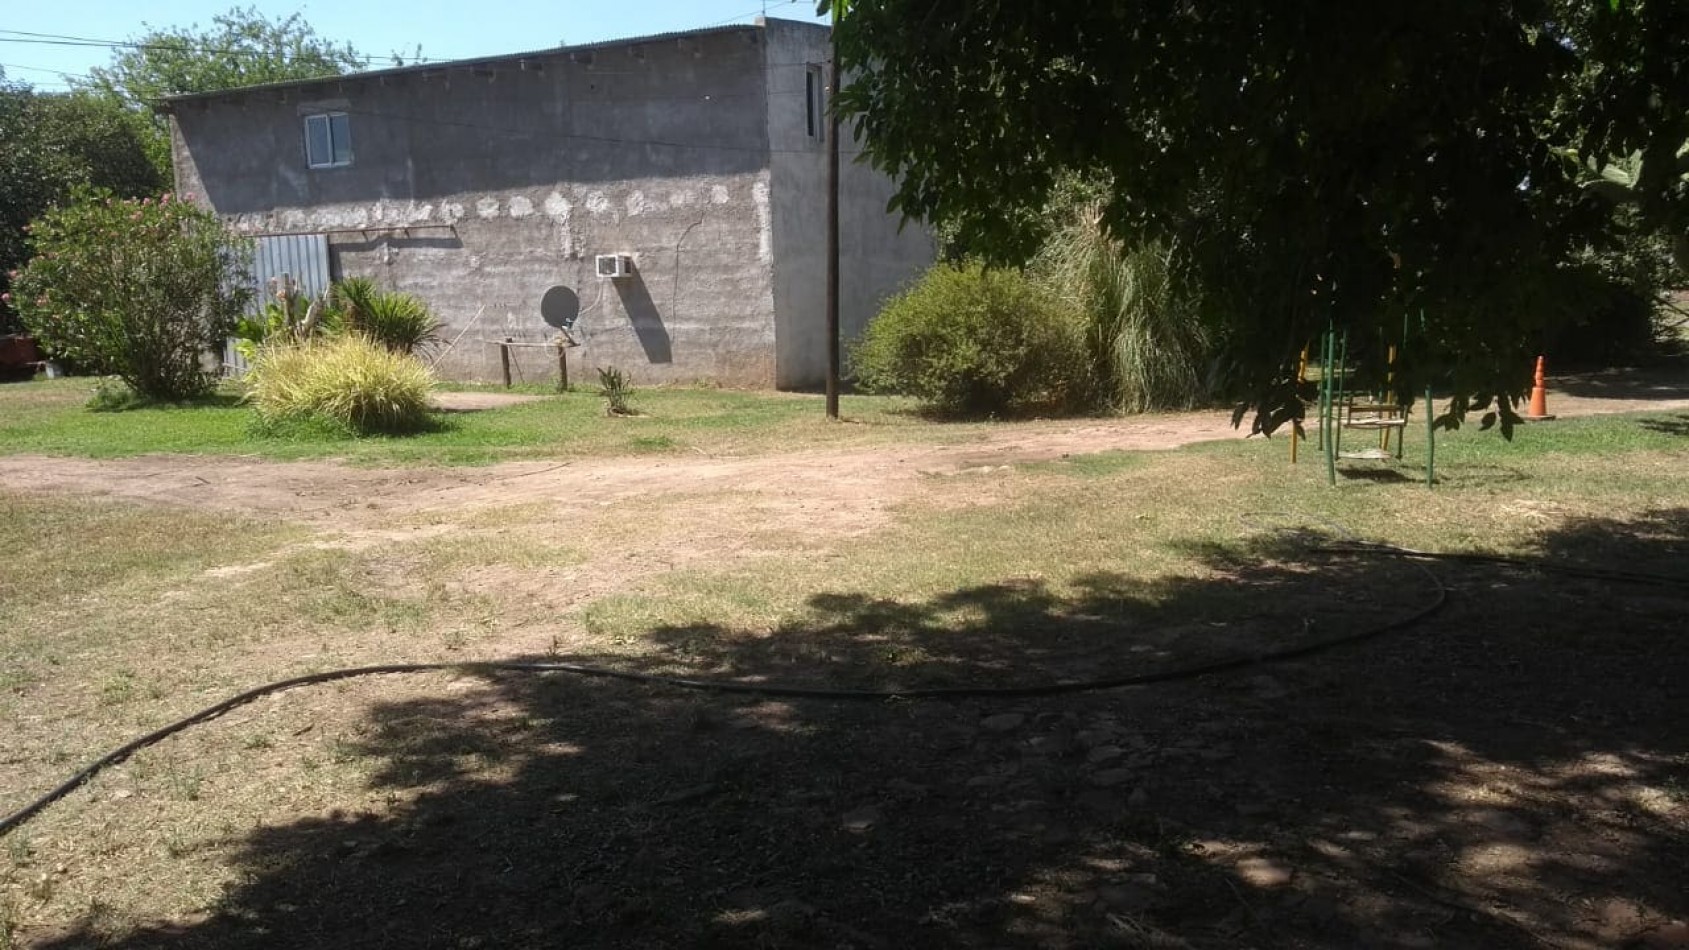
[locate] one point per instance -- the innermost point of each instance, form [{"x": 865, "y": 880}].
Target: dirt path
[
  {"x": 477, "y": 401},
  {"x": 843, "y": 490},
  {"x": 839, "y": 485}
]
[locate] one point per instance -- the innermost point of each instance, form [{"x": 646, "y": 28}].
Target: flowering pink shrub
[{"x": 135, "y": 288}]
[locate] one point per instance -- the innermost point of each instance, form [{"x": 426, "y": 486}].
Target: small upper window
[
  {"x": 815, "y": 105},
  {"x": 328, "y": 140}
]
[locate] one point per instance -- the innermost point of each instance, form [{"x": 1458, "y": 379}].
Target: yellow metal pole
[
  {"x": 1389, "y": 395},
  {"x": 1295, "y": 425}
]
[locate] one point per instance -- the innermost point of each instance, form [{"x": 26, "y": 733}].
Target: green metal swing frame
[{"x": 1337, "y": 410}]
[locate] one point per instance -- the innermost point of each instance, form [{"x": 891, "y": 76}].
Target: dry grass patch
[{"x": 641, "y": 811}]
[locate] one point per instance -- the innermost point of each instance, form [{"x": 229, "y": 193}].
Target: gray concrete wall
[
  {"x": 484, "y": 188},
  {"x": 876, "y": 258}
]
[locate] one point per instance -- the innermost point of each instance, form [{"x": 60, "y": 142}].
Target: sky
[{"x": 446, "y": 29}]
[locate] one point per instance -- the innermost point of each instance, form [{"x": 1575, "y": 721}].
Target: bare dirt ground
[
  {"x": 849, "y": 486},
  {"x": 1513, "y": 774},
  {"x": 845, "y": 487},
  {"x": 477, "y": 401}
]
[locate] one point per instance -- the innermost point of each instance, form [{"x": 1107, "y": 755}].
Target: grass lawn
[
  {"x": 1513, "y": 772},
  {"x": 49, "y": 417}
]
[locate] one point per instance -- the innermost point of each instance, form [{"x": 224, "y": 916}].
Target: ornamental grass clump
[
  {"x": 348, "y": 383},
  {"x": 1143, "y": 328}
]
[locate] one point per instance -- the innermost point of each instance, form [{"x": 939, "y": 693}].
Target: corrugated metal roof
[{"x": 164, "y": 104}]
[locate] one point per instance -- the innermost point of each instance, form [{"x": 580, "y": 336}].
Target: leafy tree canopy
[
  {"x": 137, "y": 287},
  {"x": 1390, "y": 170},
  {"x": 242, "y": 47},
  {"x": 56, "y": 142}
]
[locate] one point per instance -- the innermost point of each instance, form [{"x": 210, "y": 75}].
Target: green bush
[
  {"x": 400, "y": 322},
  {"x": 974, "y": 341},
  {"x": 348, "y": 383},
  {"x": 139, "y": 289},
  {"x": 1144, "y": 331},
  {"x": 54, "y": 142},
  {"x": 111, "y": 395}
]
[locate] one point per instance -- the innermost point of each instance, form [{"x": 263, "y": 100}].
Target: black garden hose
[
  {"x": 1352, "y": 546},
  {"x": 1438, "y": 598}
]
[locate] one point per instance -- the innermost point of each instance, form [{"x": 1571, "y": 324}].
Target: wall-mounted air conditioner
[{"x": 613, "y": 266}]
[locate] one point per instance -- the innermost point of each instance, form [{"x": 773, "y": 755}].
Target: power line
[
  {"x": 43, "y": 69},
  {"x": 66, "y": 79},
  {"x": 78, "y": 41},
  {"x": 70, "y": 80},
  {"x": 28, "y": 37},
  {"x": 63, "y": 39}
]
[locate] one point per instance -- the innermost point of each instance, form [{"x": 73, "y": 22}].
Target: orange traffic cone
[{"x": 1539, "y": 397}]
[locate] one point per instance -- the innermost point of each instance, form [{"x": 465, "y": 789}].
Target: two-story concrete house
[{"x": 499, "y": 188}]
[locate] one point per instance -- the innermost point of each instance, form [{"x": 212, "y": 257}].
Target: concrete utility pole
[{"x": 833, "y": 228}]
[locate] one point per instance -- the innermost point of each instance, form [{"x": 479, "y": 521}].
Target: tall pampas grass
[{"x": 1143, "y": 330}]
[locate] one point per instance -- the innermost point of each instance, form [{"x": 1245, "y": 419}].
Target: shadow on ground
[
  {"x": 1512, "y": 772},
  {"x": 1667, "y": 380},
  {"x": 1674, "y": 425}
]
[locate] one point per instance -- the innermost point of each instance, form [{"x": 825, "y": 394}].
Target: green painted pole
[
  {"x": 1342, "y": 387},
  {"x": 1329, "y": 422},
  {"x": 1430, "y": 441}
]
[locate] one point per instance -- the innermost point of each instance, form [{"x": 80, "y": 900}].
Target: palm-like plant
[{"x": 398, "y": 321}]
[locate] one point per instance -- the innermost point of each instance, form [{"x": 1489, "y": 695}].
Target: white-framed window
[
  {"x": 815, "y": 101},
  {"x": 328, "y": 140}
]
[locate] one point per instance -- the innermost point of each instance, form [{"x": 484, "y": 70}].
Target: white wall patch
[
  {"x": 765, "y": 222},
  {"x": 561, "y": 213}
]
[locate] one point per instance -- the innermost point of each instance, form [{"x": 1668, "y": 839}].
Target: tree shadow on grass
[
  {"x": 1512, "y": 771},
  {"x": 1675, "y": 425},
  {"x": 124, "y": 400}
]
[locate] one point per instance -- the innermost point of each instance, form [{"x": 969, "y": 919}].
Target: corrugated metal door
[{"x": 301, "y": 258}]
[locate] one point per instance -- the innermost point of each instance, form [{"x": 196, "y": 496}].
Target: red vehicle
[{"x": 19, "y": 356}]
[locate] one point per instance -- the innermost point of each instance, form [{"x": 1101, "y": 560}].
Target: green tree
[
  {"x": 56, "y": 142},
  {"x": 1316, "y": 162},
  {"x": 140, "y": 288},
  {"x": 242, "y": 47}
]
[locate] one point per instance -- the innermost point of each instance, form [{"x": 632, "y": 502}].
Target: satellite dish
[{"x": 560, "y": 307}]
